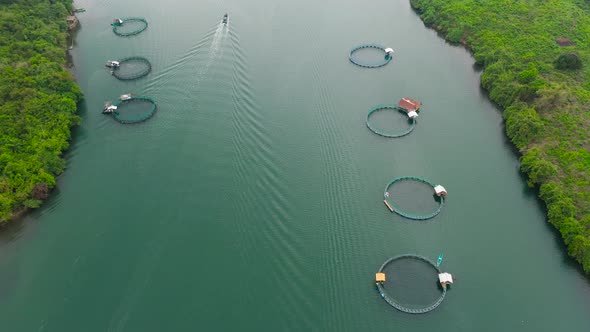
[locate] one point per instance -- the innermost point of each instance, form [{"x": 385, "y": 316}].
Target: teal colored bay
[{"x": 252, "y": 200}]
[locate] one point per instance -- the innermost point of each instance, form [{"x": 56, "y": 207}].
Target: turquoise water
[{"x": 252, "y": 200}]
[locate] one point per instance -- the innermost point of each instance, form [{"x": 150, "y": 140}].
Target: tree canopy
[
  {"x": 535, "y": 55},
  {"x": 38, "y": 100}
]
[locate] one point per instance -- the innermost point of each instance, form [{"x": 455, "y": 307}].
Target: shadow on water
[
  {"x": 70, "y": 44},
  {"x": 10, "y": 235},
  {"x": 12, "y": 230},
  {"x": 533, "y": 193},
  {"x": 79, "y": 132},
  {"x": 26, "y": 220}
]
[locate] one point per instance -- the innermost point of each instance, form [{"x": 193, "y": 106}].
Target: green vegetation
[
  {"x": 536, "y": 55},
  {"x": 38, "y": 99},
  {"x": 569, "y": 60}
]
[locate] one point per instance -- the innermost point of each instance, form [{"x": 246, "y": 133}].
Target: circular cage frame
[
  {"x": 383, "y": 133},
  {"x": 400, "y": 306},
  {"x": 144, "y": 117},
  {"x": 406, "y": 214},
  {"x": 116, "y": 71},
  {"x": 130, "y": 33},
  {"x": 386, "y": 57}
]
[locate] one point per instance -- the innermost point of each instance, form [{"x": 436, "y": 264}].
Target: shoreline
[
  {"x": 62, "y": 102},
  {"x": 525, "y": 124}
]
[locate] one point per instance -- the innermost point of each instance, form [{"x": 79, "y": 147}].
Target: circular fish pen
[
  {"x": 387, "y": 56},
  {"x": 439, "y": 193},
  {"x": 137, "y": 115},
  {"x": 129, "y": 26},
  {"x": 386, "y": 133},
  {"x": 131, "y": 68},
  {"x": 385, "y": 288}
]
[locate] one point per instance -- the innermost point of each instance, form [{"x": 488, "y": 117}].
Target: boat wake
[{"x": 215, "y": 52}]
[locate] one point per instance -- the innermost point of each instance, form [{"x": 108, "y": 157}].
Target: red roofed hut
[{"x": 409, "y": 104}]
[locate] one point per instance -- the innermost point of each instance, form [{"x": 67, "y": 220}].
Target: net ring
[
  {"x": 383, "y": 133},
  {"x": 131, "y": 99},
  {"x": 116, "y": 72},
  {"x": 400, "y": 306},
  {"x": 121, "y": 22},
  {"x": 393, "y": 208},
  {"x": 386, "y": 56}
]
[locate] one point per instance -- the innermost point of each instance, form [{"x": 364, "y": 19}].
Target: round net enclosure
[
  {"x": 129, "y": 26},
  {"x": 370, "y": 56},
  {"x": 411, "y": 284},
  {"x": 134, "y": 109},
  {"x": 389, "y": 121},
  {"x": 413, "y": 198},
  {"x": 132, "y": 68}
]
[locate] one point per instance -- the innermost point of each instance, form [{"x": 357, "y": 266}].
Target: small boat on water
[
  {"x": 225, "y": 18},
  {"x": 440, "y": 258}
]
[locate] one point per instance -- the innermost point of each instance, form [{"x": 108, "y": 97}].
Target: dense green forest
[
  {"x": 536, "y": 60},
  {"x": 38, "y": 100}
]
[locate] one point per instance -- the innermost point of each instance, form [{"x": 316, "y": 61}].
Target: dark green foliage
[
  {"x": 522, "y": 124},
  {"x": 38, "y": 99},
  {"x": 543, "y": 89},
  {"x": 570, "y": 60},
  {"x": 454, "y": 35},
  {"x": 536, "y": 167},
  {"x": 528, "y": 75}
]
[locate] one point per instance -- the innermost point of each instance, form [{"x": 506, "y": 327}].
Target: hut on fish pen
[
  {"x": 445, "y": 279},
  {"x": 440, "y": 191},
  {"x": 409, "y": 105},
  {"x": 379, "y": 277}
]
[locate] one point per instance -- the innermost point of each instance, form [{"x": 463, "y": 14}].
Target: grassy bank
[
  {"x": 536, "y": 59},
  {"x": 38, "y": 99}
]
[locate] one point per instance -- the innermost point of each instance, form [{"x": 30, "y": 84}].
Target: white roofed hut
[
  {"x": 440, "y": 191},
  {"x": 445, "y": 279},
  {"x": 412, "y": 115},
  {"x": 113, "y": 64},
  {"x": 109, "y": 109}
]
